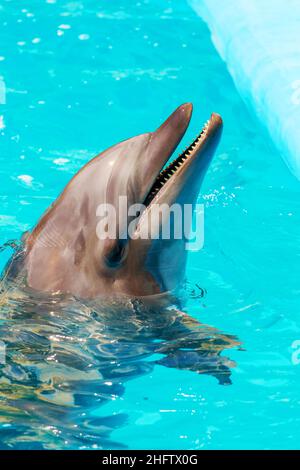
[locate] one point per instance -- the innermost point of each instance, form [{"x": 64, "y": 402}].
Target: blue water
[{"x": 80, "y": 76}]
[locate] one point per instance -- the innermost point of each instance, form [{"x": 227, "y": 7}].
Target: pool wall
[{"x": 259, "y": 41}]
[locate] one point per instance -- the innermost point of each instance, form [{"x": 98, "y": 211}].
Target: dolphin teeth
[{"x": 170, "y": 170}]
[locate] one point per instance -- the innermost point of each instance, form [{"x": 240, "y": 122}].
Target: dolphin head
[{"x": 82, "y": 246}]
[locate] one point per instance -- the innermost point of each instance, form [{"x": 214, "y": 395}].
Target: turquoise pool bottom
[{"x": 79, "y": 79}]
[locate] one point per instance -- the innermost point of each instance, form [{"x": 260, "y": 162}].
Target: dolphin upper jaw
[{"x": 160, "y": 146}]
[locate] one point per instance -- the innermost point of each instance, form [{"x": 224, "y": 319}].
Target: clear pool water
[{"x": 80, "y": 76}]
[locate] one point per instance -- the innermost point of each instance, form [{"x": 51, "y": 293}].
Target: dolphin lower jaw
[{"x": 179, "y": 183}]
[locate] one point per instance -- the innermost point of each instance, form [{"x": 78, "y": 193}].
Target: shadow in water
[{"x": 64, "y": 358}]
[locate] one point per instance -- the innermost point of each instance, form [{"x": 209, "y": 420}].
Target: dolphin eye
[{"x": 116, "y": 255}]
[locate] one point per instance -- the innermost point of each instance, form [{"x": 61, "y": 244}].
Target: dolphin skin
[{"x": 64, "y": 254}]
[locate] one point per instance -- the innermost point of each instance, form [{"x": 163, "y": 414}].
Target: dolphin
[
  {"x": 64, "y": 253},
  {"x": 83, "y": 314}
]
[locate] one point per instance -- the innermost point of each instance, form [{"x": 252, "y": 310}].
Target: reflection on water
[{"x": 65, "y": 358}]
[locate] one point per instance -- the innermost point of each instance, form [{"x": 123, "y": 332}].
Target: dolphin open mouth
[{"x": 177, "y": 167}]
